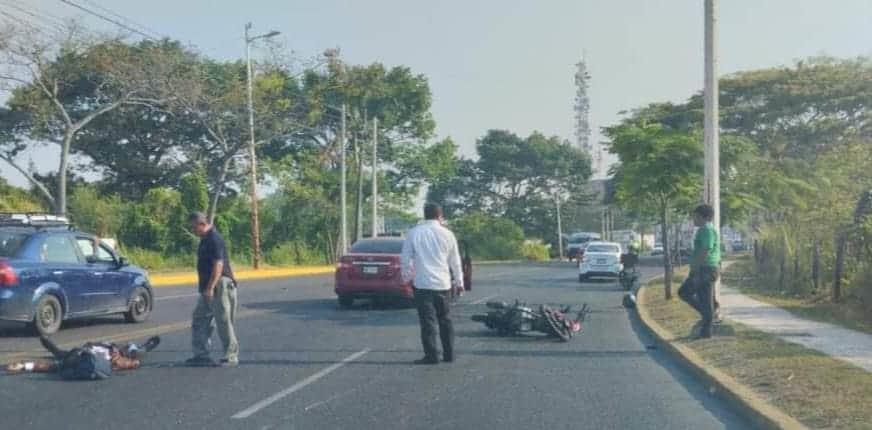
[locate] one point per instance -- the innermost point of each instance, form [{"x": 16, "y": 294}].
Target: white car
[{"x": 601, "y": 259}]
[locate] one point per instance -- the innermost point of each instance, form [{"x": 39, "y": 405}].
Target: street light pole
[
  {"x": 712, "y": 186},
  {"x": 252, "y": 153},
  {"x": 344, "y": 242},
  {"x": 375, "y": 177},
  {"x": 559, "y": 229}
]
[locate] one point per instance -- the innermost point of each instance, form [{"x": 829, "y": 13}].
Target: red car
[{"x": 371, "y": 270}]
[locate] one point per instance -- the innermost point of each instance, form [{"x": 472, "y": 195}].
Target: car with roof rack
[{"x": 51, "y": 272}]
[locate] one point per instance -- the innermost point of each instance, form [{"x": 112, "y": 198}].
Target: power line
[
  {"x": 16, "y": 20},
  {"x": 42, "y": 18},
  {"x": 123, "y": 18},
  {"x": 107, "y": 19}
]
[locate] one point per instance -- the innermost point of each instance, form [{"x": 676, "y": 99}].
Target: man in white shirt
[{"x": 431, "y": 261}]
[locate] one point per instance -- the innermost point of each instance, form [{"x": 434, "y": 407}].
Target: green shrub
[
  {"x": 535, "y": 250},
  {"x": 490, "y": 238},
  {"x": 293, "y": 253}
]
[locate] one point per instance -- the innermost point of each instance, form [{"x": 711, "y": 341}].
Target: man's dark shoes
[
  {"x": 448, "y": 358},
  {"x": 151, "y": 343},
  {"x": 427, "y": 360},
  {"x": 200, "y": 362}
]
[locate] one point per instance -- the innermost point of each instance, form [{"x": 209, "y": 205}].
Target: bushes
[
  {"x": 293, "y": 253},
  {"x": 535, "y": 250},
  {"x": 490, "y": 238}
]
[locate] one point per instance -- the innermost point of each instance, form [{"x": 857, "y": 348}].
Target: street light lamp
[{"x": 255, "y": 222}]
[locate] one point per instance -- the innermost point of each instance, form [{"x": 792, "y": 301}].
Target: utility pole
[
  {"x": 559, "y": 229},
  {"x": 712, "y": 186},
  {"x": 252, "y": 153},
  {"x": 375, "y": 177},
  {"x": 343, "y": 145}
]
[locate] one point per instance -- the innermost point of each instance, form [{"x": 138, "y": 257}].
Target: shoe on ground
[
  {"x": 151, "y": 343},
  {"x": 200, "y": 362},
  {"x": 426, "y": 360},
  {"x": 448, "y": 359},
  {"x": 228, "y": 363}
]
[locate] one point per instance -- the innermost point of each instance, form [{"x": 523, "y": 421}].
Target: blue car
[{"x": 50, "y": 272}]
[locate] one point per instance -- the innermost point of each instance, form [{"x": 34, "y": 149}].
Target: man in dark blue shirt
[{"x": 217, "y": 300}]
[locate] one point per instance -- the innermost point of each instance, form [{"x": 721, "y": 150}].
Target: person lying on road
[{"x": 125, "y": 357}]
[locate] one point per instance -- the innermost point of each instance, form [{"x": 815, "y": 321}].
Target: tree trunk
[
  {"x": 358, "y": 225},
  {"x": 796, "y": 255},
  {"x": 61, "y": 198},
  {"x": 838, "y": 270},
  {"x": 816, "y": 265},
  {"x": 219, "y": 188},
  {"x": 756, "y": 252},
  {"x": 667, "y": 257},
  {"x": 781, "y": 269}
]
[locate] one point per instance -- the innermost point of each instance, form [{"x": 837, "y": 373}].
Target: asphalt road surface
[{"x": 306, "y": 364}]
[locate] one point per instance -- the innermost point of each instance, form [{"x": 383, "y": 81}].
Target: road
[{"x": 306, "y": 364}]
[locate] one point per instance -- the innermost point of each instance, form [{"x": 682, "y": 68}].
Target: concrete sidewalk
[{"x": 849, "y": 345}]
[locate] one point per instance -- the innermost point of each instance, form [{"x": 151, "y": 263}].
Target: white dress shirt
[{"x": 430, "y": 255}]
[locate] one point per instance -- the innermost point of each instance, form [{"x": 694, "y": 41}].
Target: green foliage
[
  {"x": 516, "y": 178},
  {"x": 94, "y": 212},
  {"x": 293, "y": 253},
  {"x": 535, "y": 250},
  {"x": 490, "y": 238},
  {"x": 13, "y": 199}
]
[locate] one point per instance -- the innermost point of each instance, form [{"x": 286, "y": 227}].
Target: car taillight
[
  {"x": 344, "y": 263},
  {"x": 8, "y": 278}
]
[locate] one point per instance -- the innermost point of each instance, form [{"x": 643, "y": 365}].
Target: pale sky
[{"x": 509, "y": 64}]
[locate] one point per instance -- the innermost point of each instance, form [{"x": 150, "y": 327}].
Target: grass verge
[
  {"x": 849, "y": 314},
  {"x": 819, "y": 391}
]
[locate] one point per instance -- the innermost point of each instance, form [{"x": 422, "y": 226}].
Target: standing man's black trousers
[
  {"x": 698, "y": 291},
  {"x": 433, "y": 308}
]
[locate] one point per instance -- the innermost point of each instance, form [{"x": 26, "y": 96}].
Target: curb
[
  {"x": 190, "y": 278},
  {"x": 760, "y": 412}
]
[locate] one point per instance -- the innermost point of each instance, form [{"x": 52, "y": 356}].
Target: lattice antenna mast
[{"x": 582, "y": 107}]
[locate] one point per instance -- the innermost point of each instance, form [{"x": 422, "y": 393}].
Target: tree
[
  {"x": 517, "y": 178},
  {"x": 64, "y": 83},
  {"x": 659, "y": 166}
]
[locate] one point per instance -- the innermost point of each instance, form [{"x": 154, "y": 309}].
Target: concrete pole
[
  {"x": 343, "y": 244},
  {"x": 712, "y": 186},
  {"x": 559, "y": 230},
  {"x": 252, "y": 154},
  {"x": 375, "y": 177}
]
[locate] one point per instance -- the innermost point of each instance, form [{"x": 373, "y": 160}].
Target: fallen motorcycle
[{"x": 511, "y": 320}]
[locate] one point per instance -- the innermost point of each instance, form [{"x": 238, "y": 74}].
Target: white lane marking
[
  {"x": 298, "y": 386},
  {"x": 482, "y": 300},
  {"x": 178, "y": 296}
]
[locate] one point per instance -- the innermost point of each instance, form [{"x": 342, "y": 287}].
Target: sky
[{"x": 509, "y": 64}]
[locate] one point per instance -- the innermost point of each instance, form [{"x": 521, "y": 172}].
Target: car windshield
[
  {"x": 10, "y": 242},
  {"x": 603, "y": 248},
  {"x": 579, "y": 239},
  {"x": 377, "y": 247}
]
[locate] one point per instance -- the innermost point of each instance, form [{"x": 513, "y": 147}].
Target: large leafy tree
[
  {"x": 61, "y": 84},
  {"x": 660, "y": 169},
  {"x": 517, "y": 178}
]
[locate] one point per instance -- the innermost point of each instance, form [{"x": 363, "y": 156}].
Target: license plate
[
  {"x": 601, "y": 262},
  {"x": 370, "y": 270}
]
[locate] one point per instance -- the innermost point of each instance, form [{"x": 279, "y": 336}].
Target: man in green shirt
[{"x": 698, "y": 289}]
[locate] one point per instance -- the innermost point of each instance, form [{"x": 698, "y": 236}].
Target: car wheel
[
  {"x": 48, "y": 316},
  {"x": 582, "y": 278},
  {"x": 345, "y": 302},
  {"x": 140, "y": 306}
]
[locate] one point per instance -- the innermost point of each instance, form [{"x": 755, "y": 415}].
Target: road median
[{"x": 774, "y": 383}]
